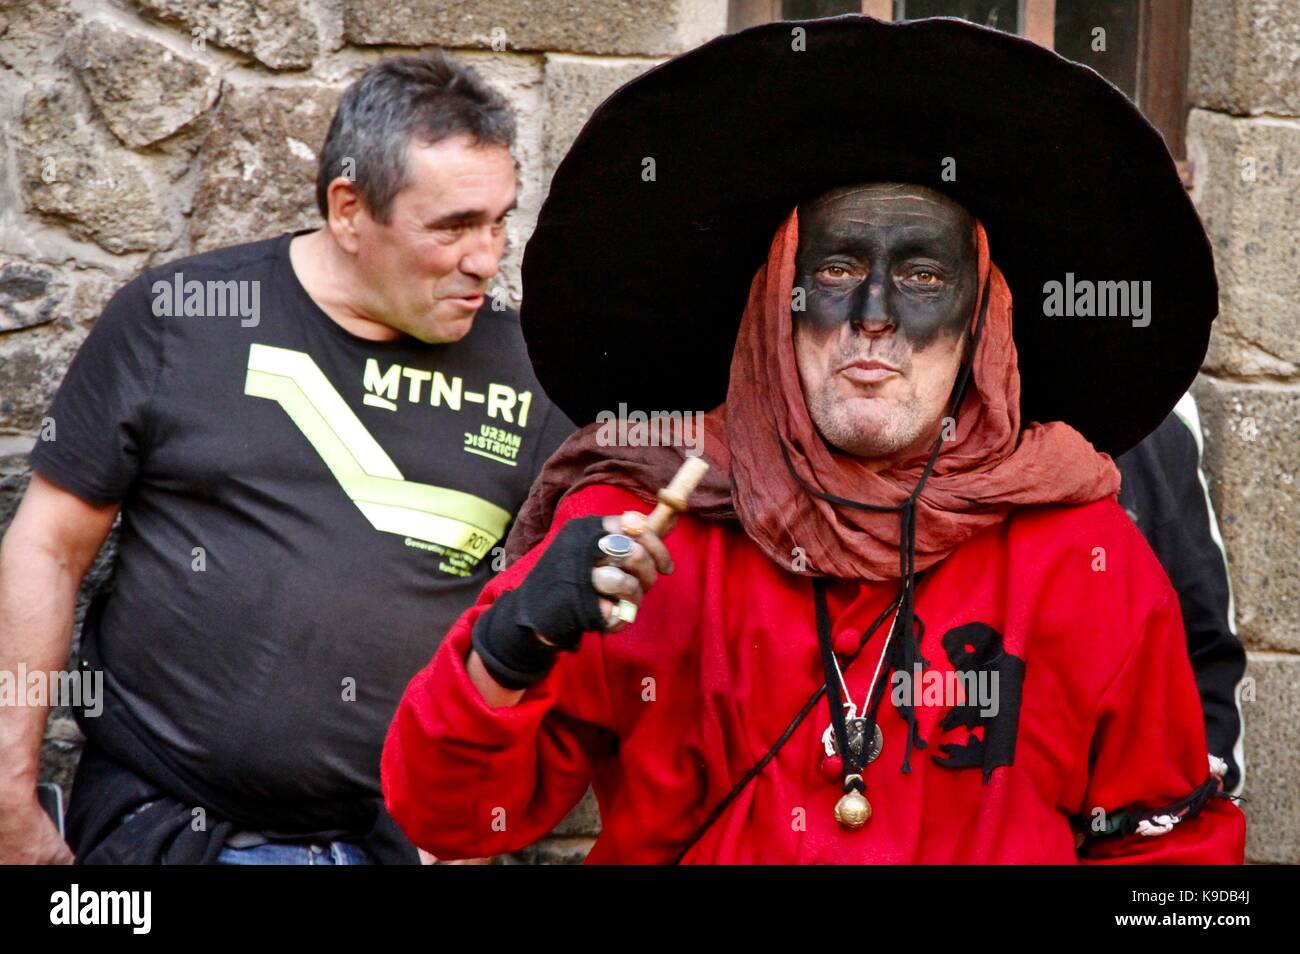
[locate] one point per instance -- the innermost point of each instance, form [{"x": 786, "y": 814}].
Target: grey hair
[{"x": 422, "y": 98}]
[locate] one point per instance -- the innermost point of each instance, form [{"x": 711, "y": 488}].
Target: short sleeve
[
  {"x": 556, "y": 428},
  {"x": 94, "y": 438}
]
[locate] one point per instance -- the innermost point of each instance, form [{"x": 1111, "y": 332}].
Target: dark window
[
  {"x": 1001, "y": 15},
  {"x": 1102, "y": 34},
  {"x": 812, "y": 9}
]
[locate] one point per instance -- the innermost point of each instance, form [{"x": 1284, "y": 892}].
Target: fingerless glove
[{"x": 555, "y": 599}]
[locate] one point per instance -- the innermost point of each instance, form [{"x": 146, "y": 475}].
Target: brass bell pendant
[{"x": 852, "y": 810}]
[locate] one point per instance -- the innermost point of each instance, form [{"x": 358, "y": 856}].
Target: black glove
[{"x": 555, "y": 599}]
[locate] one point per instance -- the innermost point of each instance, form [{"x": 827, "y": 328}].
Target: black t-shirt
[{"x": 304, "y": 512}]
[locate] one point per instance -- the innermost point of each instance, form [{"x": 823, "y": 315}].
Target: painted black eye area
[{"x": 836, "y": 272}]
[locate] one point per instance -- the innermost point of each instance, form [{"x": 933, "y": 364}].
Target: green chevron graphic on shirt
[{"x": 393, "y": 504}]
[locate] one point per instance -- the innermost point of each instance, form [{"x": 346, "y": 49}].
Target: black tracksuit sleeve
[{"x": 1163, "y": 490}]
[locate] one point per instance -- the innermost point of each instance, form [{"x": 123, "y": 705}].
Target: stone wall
[
  {"x": 136, "y": 131},
  {"x": 1244, "y": 143}
]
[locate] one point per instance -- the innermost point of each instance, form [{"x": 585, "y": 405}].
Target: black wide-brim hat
[{"x": 634, "y": 286}]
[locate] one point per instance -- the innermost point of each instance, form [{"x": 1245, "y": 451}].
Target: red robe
[{"x": 663, "y": 718}]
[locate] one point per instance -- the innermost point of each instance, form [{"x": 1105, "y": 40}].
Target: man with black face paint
[
  {"x": 903, "y": 619},
  {"x": 889, "y": 274}
]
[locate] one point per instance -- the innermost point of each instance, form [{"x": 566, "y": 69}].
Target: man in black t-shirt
[{"x": 316, "y": 443}]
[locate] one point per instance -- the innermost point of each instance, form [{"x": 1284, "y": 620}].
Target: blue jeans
[{"x": 281, "y": 853}]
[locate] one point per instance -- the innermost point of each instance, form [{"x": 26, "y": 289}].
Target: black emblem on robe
[{"x": 977, "y": 649}]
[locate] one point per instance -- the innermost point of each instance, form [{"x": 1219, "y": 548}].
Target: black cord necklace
[
  {"x": 853, "y": 810},
  {"x": 851, "y": 731}
]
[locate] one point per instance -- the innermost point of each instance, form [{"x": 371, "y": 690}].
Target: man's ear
[{"x": 346, "y": 209}]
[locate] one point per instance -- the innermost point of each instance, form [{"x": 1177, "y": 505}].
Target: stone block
[
  {"x": 584, "y": 819},
  {"x": 575, "y": 86},
  {"x": 77, "y": 174},
  {"x": 14, "y": 474},
  {"x": 31, "y": 33},
  {"x": 144, "y": 90},
  {"x": 34, "y": 360},
  {"x": 553, "y": 851},
  {"x": 24, "y": 298},
  {"x": 1245, "y": 56},
  {"x": 1252, "y": 461},
  {"x": 608, "y": 27},
  {"x": 1248, "y": 194},
  {"x": 60, "y": 752},
  {"x": 281, "y": 34},
  {"x": 257, "y": 173},
  {"x": 1272, "y": 790}
]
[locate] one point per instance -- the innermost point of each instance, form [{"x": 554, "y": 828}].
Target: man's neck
[
  {"x": 328, "y": 275},
  {"x": 922, "y": 447}
]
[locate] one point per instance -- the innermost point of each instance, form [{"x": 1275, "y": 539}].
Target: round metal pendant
[
  {"x": 856, "y": 730},
  {"x": 853, "y": 810}
]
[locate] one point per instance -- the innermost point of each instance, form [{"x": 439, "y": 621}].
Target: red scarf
[{"x": 990, "y": 466}]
